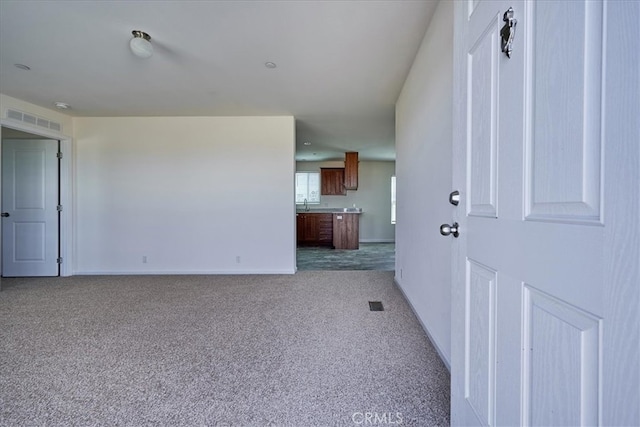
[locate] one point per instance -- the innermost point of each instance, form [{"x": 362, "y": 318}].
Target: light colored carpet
[{"x": 281, "y": 350}]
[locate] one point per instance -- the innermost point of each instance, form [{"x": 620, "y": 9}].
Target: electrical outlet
[
  {"x": 238, "y": 259},
  {"x": 144, "y": 259}
]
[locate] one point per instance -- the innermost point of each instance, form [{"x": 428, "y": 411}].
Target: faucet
[{"x": 306, "y": 206}]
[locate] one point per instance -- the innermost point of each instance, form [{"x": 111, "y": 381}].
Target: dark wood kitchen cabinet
[
  {"x": 346, "y": 230},
  {"x": 325, "y": 229},
  {"x": 332, "y": 182},
  {"x": 351, "y": 171},
  {"x": 314, "y": 229},
  {"x": 307, "y": 225}
]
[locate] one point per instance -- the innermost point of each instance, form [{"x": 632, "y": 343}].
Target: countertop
[{"x": 331, "y": 210}]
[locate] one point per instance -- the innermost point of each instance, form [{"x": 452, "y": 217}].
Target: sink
[{"x": 352, "y": 210}]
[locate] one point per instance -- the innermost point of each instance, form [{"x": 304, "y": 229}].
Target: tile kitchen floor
[{"x": 370, "y": 256}]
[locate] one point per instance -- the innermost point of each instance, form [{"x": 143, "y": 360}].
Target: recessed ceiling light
[
  {"x": 62, "y": 105},
  {"x": 307, "y": 143},
  {"x": 22, "y": 67},
  {"x": 270, "y": 64}
]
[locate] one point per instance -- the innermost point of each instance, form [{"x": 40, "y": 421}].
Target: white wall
[
  {"x": 189, "y": 193},
  {"x": 373, "y": 196},
  {"x": 424, "y": 173}
]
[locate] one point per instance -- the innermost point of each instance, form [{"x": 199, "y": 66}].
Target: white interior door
[
  {"x": 29, "y": 208},
  {"x": 541, "y": 309}
]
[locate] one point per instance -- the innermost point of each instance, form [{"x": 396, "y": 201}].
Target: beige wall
[
  {"x": 191, "y": 194},
  {"x": 424, "y": 133}
]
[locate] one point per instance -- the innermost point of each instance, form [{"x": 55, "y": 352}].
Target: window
[
  {"x": 393, "y": 200},
  {"x": 307, "y": 188}
]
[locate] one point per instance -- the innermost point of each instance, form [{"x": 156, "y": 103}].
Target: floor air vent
[
  {"x": 375, "y": 306},
  {"x": 32, "y": 120}
]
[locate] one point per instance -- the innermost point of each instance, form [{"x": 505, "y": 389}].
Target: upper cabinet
[
  {"x": 332, "y": 182},
  {"x": 351, "y": 171},
  {"x": 336, "y": 181}
]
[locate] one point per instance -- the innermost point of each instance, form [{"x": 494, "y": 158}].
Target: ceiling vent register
[{"x": 32, "y": 120}]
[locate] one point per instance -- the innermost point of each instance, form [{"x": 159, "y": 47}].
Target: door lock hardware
[
  {"x": 454, "y": 198},
  {"x": 508, "y": 31},
  {"x": 4, "y": 214},
  {"x": 446, "y": 229}
]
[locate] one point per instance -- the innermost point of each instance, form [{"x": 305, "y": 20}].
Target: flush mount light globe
[
  {"x": 61, "y": 105},
  {"x": 140, "y": 44}
]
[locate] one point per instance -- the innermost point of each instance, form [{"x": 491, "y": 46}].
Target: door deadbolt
[
  {"x": 454, "y": 198},
  {"x": 446, "y": 229},
  {"x": 4, "y": 214}
]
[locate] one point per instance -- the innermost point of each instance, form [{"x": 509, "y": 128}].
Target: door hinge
[
  {"x": 59, "y": 154},
  {"x": 59, "y": 260},
  {"x": 59, "y": 208}
]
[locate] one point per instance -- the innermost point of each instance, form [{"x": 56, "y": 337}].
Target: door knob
[
  {"x": 446, "y": 229},
  {"x": 4, "y": 214}
]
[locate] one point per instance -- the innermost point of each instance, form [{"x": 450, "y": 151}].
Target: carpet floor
[{"x": 267, "y": 350}]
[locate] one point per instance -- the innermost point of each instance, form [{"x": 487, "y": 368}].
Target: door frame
[{"x": 65, "y": 231}]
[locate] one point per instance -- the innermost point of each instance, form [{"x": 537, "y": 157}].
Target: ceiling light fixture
[
  {"x": 307, "y": 143},
  {"x": 270, "y": 64},
  {"x": 140, "y": 44},
  {"x": 62, "y": 105}
]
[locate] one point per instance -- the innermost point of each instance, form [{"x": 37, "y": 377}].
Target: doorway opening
[{"x": 23, "y": 253}]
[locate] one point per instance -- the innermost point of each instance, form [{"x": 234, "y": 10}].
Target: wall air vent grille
[
  {"x": 15, "y": 115},
  {"x": 33, "y": 120}
]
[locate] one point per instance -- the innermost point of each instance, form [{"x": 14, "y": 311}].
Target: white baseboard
[
  {"x": 177, "y": 272},
  {"x": 424, "y": 326},
  {"x": 377, "y": 240}
]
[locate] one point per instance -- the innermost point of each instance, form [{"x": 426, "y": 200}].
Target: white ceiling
[{"x": 340, "y": 64}]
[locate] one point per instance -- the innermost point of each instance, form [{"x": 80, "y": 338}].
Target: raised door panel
[
  {"x": 564, "y": 91},
  {"x": 480, "y": 358},
  {"x": 482, "y": 122},
  {"x": 562, "y": 347}
]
